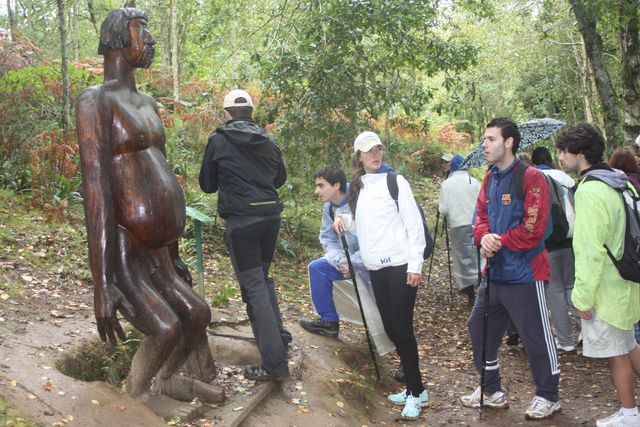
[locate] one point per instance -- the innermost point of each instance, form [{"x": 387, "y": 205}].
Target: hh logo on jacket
[
  {"x": 386, "y": 260},
  {"x": 506, "y": 199}
]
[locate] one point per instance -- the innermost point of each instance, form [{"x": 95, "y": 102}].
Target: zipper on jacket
[{"x": 272, "y": 202}]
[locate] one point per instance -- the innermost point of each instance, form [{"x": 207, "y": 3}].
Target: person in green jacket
[{"x": 607, "y": 304}]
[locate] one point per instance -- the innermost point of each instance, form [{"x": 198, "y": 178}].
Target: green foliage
[
  {"x": 96, "y": 361},
  {"x": 346, "y": 62},
  {"x": 9, "y": 417},
  {"x": 222, "y": 298}
]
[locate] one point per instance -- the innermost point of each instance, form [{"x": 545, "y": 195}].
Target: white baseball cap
[
  {"x": 237, "y": 98},
  {"x": 366, "y": 141}
]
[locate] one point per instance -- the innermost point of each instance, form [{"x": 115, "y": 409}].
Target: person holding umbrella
[
  {"x": 512, "y": 217},
  {"x": 392, "y": 243}
]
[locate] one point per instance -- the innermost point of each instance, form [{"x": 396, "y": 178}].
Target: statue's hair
[{"x": 114, "y": 31}]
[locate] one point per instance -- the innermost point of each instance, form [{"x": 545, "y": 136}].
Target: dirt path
[{"x": 45, "y": 307}]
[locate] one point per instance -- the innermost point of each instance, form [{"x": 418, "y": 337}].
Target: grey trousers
[
  {"x": 558, "y": 293},
  {"x": 464, "y": 256},
  {"x": 251, "y": 243}
]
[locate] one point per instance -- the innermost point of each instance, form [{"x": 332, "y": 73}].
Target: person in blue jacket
[{"x": 331, "y": 188}]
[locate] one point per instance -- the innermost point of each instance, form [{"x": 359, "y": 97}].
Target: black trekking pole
[
  {"x": 352, "y": 272},
  {"x": 485, "y": 324},
  {"x": 435, "y": 237},
  {"x": 446, "y": 234}
]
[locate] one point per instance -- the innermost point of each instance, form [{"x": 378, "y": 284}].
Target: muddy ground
[{"x": 336, "y": 382}]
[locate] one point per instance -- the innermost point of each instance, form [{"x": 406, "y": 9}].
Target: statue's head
[{"x": 114, "y": 32}]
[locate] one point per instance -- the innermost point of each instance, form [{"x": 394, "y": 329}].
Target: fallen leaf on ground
[
  {"x": 340, "y": 404},
  {"x": 95, "y": 402},
  {"x": 14, "y": 383},
  {"x": 48, "y": 385},
  {"x": 121, "y": 408},
  {"x": 239, "y": 408},
  {"x": 302, "y": 410}
]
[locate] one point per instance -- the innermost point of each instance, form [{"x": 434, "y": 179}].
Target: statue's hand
[
  {"x": 183, "y": 271},
  {"x": 106, "y": 304}
]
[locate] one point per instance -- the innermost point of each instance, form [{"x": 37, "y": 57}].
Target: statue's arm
[{"x": 93, "y": 122}]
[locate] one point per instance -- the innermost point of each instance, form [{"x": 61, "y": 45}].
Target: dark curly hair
[
  {"x": 508, "y": 129},
  {"x": 114, "y": 31},
  {"x": 582, "y": 138}
]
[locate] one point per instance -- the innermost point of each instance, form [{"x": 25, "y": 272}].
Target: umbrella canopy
[{"x": 531, "y": 132}]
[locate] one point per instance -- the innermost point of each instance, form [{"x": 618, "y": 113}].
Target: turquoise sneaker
[
  {"x": 401, "y": 398},
  {"x": 412, "y": 408}
]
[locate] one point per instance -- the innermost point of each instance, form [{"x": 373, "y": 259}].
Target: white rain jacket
[
  {"x": 388, "y": 235},
  {"x": 458, "y": 196}
]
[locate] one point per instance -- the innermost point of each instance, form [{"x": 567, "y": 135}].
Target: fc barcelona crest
[{"x": 506, "y": 199}]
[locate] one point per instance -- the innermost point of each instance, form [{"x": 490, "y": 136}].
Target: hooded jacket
[
  {"x": 600, "y": 220},
  {"x": 244, "y": 163}
]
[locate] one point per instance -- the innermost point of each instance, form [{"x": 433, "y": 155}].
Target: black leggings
[{"x": 395, "y": 300}]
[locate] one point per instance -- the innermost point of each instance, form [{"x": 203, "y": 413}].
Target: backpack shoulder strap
[
  {"x": 332, "y": 212},
  {"x": 392, "y": 185},
  {"x": 518, "y": 178}
]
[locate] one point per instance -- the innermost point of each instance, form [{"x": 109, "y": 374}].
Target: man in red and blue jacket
[{"x": 512, "y": 218}]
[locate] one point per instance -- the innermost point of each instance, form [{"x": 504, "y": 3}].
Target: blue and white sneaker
[
  {"x": 412, "y": 408},
  {"x": 401, "y": 398}
]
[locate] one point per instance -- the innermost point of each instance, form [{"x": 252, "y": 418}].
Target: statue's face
[{"x": 142, "y": 47}]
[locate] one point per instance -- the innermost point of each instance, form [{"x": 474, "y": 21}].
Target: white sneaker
[
  {"x": 401, "y": 398},
  {"x": 565, "y": 348},
  {"x": 619, "y": 420},
  {"x": 497, "y": 400},
  {"x": 412, "y": 407},
  {"x": 541, "y": 408}
]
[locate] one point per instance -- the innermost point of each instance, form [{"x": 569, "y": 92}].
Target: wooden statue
[{"x": 135, "y": 214}]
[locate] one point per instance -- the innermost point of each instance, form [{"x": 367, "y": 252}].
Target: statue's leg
[
  {"x": 153, "y": 316},
  {"x": 191, "y": 309}
]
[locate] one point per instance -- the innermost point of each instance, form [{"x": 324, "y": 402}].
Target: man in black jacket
[{"x": 244, "y": 163}]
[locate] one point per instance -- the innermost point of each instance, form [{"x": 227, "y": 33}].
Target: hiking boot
[
  {"x": 412, "y": 407},
  {"x": 258, "y": 373},
  {"x": 398, "y": 375},
  {"x": 541, "y": 408},
  {"x": 497, "y": 400},
  {"x": 401, "y": 398},
  {"x": 321, "y": 327},
  {"x": 619, "y": 420}
]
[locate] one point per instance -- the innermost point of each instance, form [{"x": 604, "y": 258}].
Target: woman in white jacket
[{"x": 392, "y": 242}]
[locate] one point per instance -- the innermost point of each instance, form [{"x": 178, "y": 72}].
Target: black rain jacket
[{"x": 244, "y": 163}]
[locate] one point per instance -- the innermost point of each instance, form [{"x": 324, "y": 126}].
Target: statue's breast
[{"x": 135, "y": 129}]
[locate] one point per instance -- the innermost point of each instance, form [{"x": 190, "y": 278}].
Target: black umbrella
[{"x": 531, "y": 132}]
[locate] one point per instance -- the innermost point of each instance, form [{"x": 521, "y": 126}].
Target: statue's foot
[
  {"x": 187, "y": 389},
  {"x": 200, "y": 363}
]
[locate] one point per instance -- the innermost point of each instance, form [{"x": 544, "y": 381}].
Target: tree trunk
[
  {"x": 582, "y": 66},
  {"x": 165, "y": 35},
  {"x": 73, "y": 18},
  {"x": 630, "y": 54},
  {"x": 12, "y": 24},
  {"x": 66, "y": 97},
  {"x": 585, "y": 18},
  {"x": 92, "y": 16},
  {"x": 174, "y": 50}
]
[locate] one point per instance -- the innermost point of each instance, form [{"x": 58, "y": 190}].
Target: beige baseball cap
[
  {"x": 366, "y": 141},
  {"x": 237, "y": 98},
  {"x": 447, "y": 157}
]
